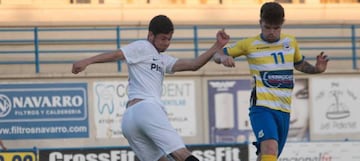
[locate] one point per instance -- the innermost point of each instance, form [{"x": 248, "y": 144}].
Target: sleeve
[
  {"x": 169, "y": 62},
  {"x": 298, "y": 57},
  {"x": 136, "y": 52},
  {"x": 237, "y": 49}
]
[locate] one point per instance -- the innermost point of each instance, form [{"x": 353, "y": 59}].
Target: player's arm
[
  {"x": 2, "y": 145},
  {"x": 197, "y": 63},
  {"x": 101, "y": 58},
  {"x": 320, "y": 66},
  {"x": 221, "y": 58}
]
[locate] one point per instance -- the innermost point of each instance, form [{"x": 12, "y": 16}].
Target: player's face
[
  {"x": 161, "y": 41},
  {"x": 270, "y": 32}
]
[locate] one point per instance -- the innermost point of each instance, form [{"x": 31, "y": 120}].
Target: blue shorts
[{"x": 269, "y": 124}]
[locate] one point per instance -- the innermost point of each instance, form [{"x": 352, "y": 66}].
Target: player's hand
[
  {"x": 79, "y": 66},
  {"x": 222, "y": 37},
  {"x": 321, "y": 62},
  {"x": 227, "y": 61}
]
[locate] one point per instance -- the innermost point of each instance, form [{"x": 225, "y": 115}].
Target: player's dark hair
[
  {"x": 161, "y": 24},
  {"x": 272, "y": 13}
]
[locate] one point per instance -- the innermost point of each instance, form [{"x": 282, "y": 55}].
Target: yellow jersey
[{"x": 271, "y": 66}]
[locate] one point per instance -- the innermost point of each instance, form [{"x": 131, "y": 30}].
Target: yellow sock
[{"x": 268, "y": 158}]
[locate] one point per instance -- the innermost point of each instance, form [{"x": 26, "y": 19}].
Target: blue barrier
[{"x": 347, "y": 36}]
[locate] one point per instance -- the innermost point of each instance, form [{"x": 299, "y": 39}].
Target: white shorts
[{"x": 146, "y": 127}]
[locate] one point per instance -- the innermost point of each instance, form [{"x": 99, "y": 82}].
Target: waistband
[{"x": 133, "y": 102}]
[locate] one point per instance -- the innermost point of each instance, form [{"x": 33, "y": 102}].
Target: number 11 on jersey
[{"x": 278, "y": 56}]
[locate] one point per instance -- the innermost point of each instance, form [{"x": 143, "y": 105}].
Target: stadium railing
[{"x": 64, "y": 45}]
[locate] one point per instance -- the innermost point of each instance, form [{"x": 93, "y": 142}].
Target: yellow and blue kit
[{"x": 271, "y": 66}]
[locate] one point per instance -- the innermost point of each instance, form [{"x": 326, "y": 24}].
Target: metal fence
[{"x": 37, "y": 45}]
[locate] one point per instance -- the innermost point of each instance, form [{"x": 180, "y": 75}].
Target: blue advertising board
[
  {"x": 228, "y": 111},
  {"x": 43, "y": 110}
]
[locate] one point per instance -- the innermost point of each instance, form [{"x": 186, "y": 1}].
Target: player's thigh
[
  {"x": 145, "y": 149},
  {"x": 269, "y": 146},
  {"x": 283, "y": 120},
  {"x": 263, "y": 123},
  {"x": 133, "y": 130},
  {"x": 180, "y": 154},
  {"x": 158, "y": 128}
]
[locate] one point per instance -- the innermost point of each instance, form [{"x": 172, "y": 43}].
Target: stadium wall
[
  {"x": 97, "y": 102},
  {"x": 200, "y": 129},
  {"x": 38, "y": 14}
]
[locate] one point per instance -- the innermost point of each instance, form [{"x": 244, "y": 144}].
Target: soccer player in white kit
[{"x": 145, "y": 123}]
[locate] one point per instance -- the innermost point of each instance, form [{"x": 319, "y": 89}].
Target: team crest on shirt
[
  {"x": 278, "y": 79},
  {"x": 286, "y": 45}
]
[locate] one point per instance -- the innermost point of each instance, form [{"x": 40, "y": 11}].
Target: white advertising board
[
  {"x": 335, "y": 108},
  {"x": 110, "y": 98},
  {"x": 316, "y": 151}
]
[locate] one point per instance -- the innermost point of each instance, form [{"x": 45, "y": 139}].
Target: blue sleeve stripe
[
  {"x": 299, "y": 62},
  {"x": 225, "y": 51}
]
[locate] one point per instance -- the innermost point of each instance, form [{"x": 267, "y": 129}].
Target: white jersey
[
  {"x": 145, "y": 124},
  {"x": 146, "y": 69}
]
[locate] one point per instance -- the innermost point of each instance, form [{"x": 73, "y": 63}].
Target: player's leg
[
  {"x": 164, "y": 135},
  {"x": 183, "y": 154},
  {"x": 134, "y": 119},
  {"x": 269, "y": 150},
  {"x": 283, "y": 122},
  {"x": 265, "y": 129},
  {"x": 164, "y": 158}
]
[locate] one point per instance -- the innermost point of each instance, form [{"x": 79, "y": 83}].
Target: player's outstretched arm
[
  {"x": 192, "y": 65},
  {"x": 80, "y": 65},
  {"x": 320, "y": 66},
  {"x": 3, "y": 146},
  {"x": 221, "y": 58}
]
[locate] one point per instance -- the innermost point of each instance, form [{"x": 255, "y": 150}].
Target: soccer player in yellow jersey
[{"x": 272, "y": 57}]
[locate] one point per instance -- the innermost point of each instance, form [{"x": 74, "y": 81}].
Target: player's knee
[
  {"x": 268, "y": 158},
  {"x": 269, "y": 147},
  {"x": 269, "y": 150},
  {"x": 191, "y": 158}
]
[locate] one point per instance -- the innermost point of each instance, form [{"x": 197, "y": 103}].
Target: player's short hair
[
  {"x": 272, "y": 13},
  {"x": 161, "y": 24}
]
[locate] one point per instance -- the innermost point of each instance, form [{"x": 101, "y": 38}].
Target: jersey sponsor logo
[
  {"x": 278, "y": 79},
  {"x": 156, "y": 67}
]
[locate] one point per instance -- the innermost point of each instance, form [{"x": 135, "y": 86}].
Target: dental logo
[{"x": 105, "y": 96}]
